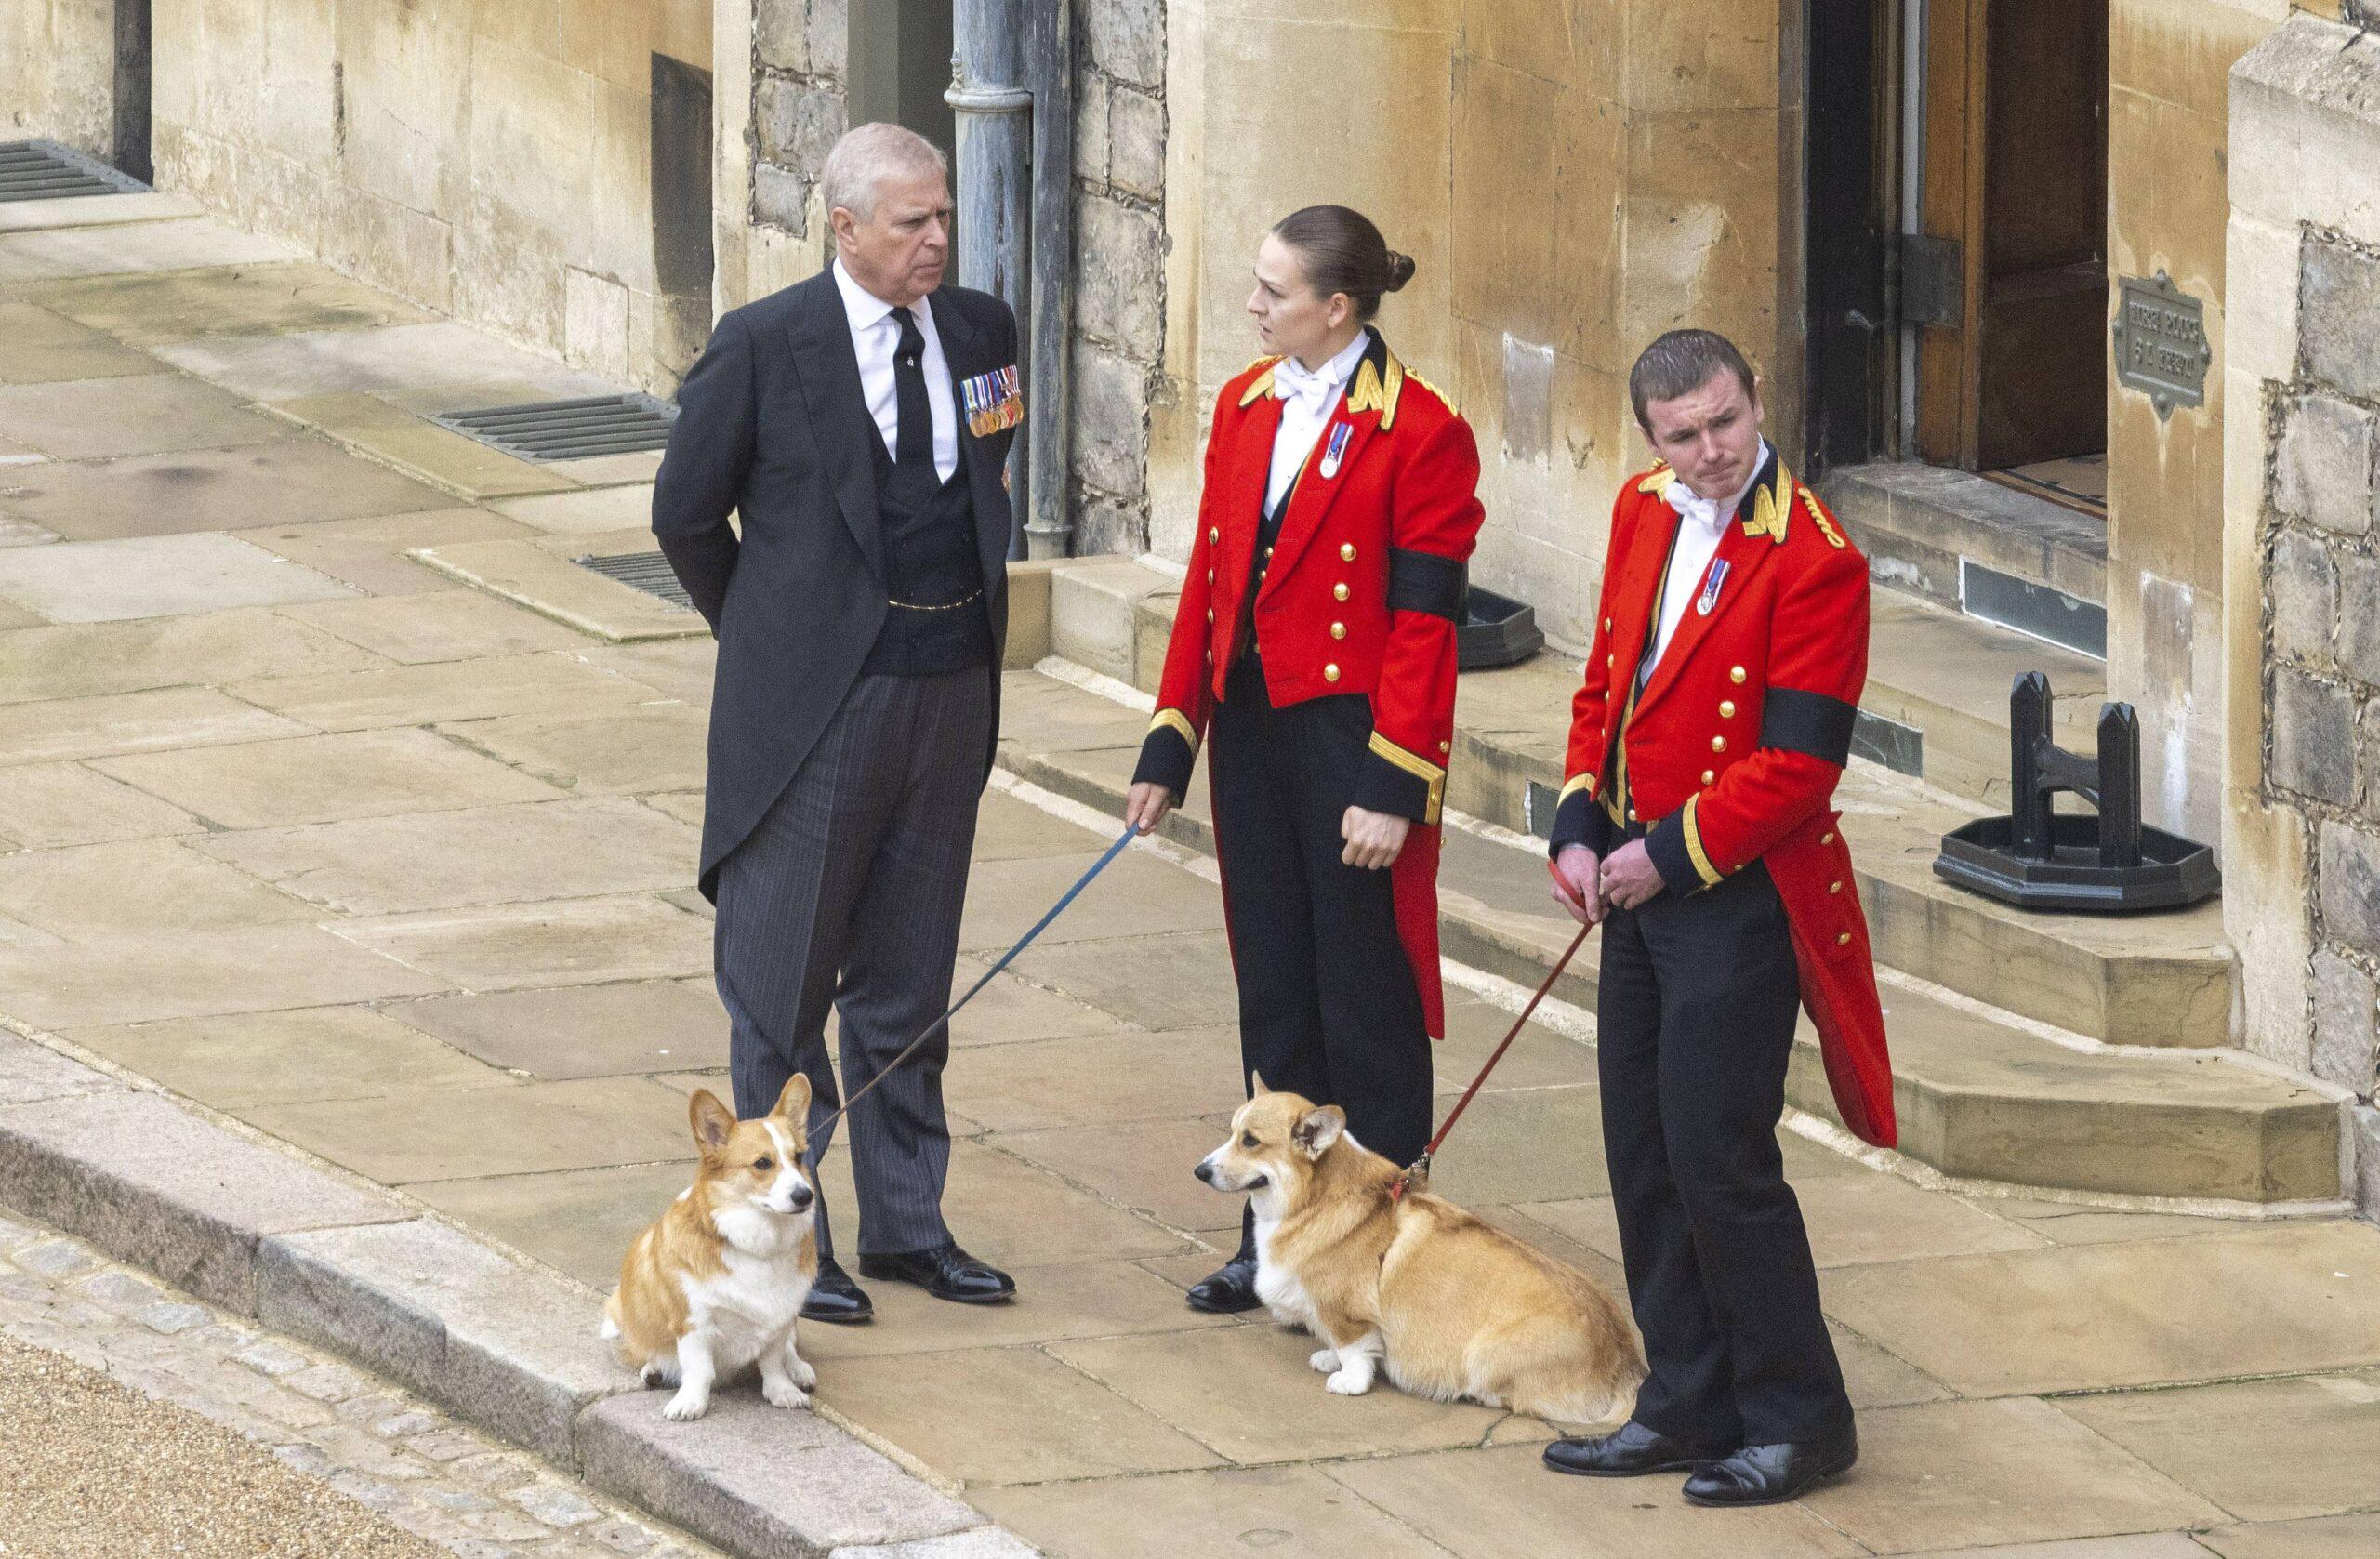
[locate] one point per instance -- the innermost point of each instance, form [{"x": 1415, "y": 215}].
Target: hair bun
[{"x": 1400, "y": 271}]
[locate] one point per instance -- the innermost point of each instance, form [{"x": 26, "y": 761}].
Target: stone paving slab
[
  {"x": 209, "y": 490},
  {"x": 153, "y": 576},
  {"x": 442, "y": 692},
  {"x": 129, "y": 415},
  {"x": 93, "y": 211},
  {"x": 2239, "y": 1300},
  {"x": 1292, "y": 1510},
  {"x": 46, "y": 348},
  {"x": 551, "y": 583},
  {"x": 30, "y": 1072},
  {"x": 519, "y": 946},
  {"x": 137, "y": 1175},
  {"x": 588, "y": 510},
  {"x": 138, "y": 887},
  {"x": 369, "y": 554},
  {"x": 132, "y": 722},
  {"x": 413, "y": 1134},
  {"x": 2264, "y": 1450},
  {"x": 573, "y": 848},
  {"x": 48, "y": 804},
  {"x": 2345, "y": 1537},
  {"x": 87, "y": 660},
  {"x": 286, "y": 366},
  {"x": 419, "y": 447},
  {"x": 147, "y": 311},
  {"x": 234, "y": 1062},
  {"x": 322, "y": 779},
  {"x": 640, "y": 1027},
  {"x": 652, "y": 748},
  {"x": 448, "y": 625},
  {"x": 182, "y": 244},
  {"x": 140, "y": 979}
]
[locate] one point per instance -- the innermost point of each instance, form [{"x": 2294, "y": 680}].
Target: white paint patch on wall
[
  {"x": 1528, "y": 400},
  {"x": 2166, "y": 699}
]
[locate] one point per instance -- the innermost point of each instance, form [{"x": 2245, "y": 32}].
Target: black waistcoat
[{"x": 940, "y": 621}]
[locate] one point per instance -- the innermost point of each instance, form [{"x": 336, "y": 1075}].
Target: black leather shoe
[
  {"x": 834, "y": 1296},
  {"x": 1228, "y": 1289},
  {"x": 1630, "y": 1451},
  {"x": 1772, "y": 1475},
  {"x": 946, "y": 1272}
]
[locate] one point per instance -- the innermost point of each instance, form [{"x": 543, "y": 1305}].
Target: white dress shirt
[
  {"x": 1701, "y": 525},
  {"x": 874, "y": 333},
  {"x": 1307, "y": 397}
]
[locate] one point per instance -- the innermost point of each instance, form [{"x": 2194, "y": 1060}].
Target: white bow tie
[
  {"x": 1310, "y": 391},
  {"x": 1691, "y": 505}
]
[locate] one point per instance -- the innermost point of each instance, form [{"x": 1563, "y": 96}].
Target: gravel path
[{"x": 90, "y": 1470}]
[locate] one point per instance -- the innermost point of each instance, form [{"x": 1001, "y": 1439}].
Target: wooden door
[{"x": 2012, "y": 369}]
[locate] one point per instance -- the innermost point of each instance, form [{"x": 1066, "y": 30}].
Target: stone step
[
  {"x": 1980, "y": 1096},
  {"x": 2162, "y": 980},
  {"x": 1973, "y": 545}
]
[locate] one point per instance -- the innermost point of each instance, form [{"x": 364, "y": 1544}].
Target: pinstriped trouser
[{"x": 848, "y": 894}]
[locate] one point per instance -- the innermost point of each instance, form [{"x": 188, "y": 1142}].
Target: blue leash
[{"x": 1005, "y": 959}]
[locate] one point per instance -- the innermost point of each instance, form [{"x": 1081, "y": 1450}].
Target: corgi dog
[
  {"x": 715, "y": 1284},
  {"x": 1450, "y": 1307}
]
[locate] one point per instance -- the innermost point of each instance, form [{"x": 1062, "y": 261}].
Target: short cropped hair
[
  {"x": 865, "y": 158},
  {"x": 1681, "y": 363}
]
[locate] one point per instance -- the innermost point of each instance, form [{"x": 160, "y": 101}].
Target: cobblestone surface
[{"x": 344, "y": 1430}]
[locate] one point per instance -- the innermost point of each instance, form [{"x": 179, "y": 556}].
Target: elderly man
[
  {"x": 859, "y": 423},
  {"x": 1696, "y": 825}
]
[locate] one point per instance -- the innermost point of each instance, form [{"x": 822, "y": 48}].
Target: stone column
[{"x": 2301, "y": 760}]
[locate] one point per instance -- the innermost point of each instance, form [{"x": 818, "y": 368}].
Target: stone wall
[
  {"x": 58, "y": 72},
  {"x": 489, "y": 161},
  {"x": 1570, "y": 180},
  {"x": 2302, "y": 541},
  {"x": 1119, "y": 266}
]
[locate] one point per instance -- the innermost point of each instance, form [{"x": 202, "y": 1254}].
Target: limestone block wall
[
  {"x": 2301, "y": 528},
  {"x": 489, "y": 161},
  {"x": 2168, "y": 131},
  {"x": 1571, "y": 181},
  {"x": 58, "y": 72}
]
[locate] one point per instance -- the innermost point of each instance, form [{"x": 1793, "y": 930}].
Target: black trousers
[
  {"x": 1695, "y": 1025},
  {"x": 1328, "y": 1007}
]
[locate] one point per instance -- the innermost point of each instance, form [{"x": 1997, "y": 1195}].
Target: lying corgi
[
  {"x": 1450, "y": 1307},
  {"x": 715, "y": 1284}
]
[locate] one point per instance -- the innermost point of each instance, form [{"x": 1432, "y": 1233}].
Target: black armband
[
  {"x": 1811, "y": 723},
  {"x": 1425, "y": 582}
]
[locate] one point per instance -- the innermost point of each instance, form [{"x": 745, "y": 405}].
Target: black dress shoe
[
  {"x": 1228, "y": 1289},
  {"x": 834, "y": 1296},
  {"x": 1771, "y": 1475},
  {"x": 946, "y": 1272},
  {"x": 1630, "y": 1451}
]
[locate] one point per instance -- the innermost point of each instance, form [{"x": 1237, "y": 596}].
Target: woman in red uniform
[{"x": 1315, "y": 638}]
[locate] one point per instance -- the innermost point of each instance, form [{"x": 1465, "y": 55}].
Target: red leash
[{"x": 1420, "y": 1168}]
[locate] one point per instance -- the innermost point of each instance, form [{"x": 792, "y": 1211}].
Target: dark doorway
[
  {"x": 1850, "y": 233},
  {"x": 2012, "y": 369},
  {"x": 129, "y": 143},
  {"x": 899, "y": 66},
  {"x": 682, "y": 209}
]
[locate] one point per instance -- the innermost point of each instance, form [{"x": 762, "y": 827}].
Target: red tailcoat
[
  {"x": 1732, "y": 749},
  {"x": 1362, "y": 593}
]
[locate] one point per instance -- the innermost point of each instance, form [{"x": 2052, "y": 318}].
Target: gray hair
[
  {"x": 1680, "y": 362},
  {"x": 867, "y": 157}
]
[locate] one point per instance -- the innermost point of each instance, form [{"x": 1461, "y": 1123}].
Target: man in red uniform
[{"x": 1716, "y": 718}]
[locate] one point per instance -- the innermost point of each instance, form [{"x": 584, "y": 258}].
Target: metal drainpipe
[
  {"x": 1016, "y": 184},
  {"x": 994, "y": 128}
]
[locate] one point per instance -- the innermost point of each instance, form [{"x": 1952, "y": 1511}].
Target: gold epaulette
[
  {"x": 1657, "y": 479},
  {"x": 1445, "y": 399},
  {"x": 1818, "y": 518},
  {"x": 1262, "y": 385}
]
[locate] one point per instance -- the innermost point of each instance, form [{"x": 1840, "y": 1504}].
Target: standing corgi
[
  {"x": 1448, "y": 1306},
  {"x": 716, "y": 1283}
]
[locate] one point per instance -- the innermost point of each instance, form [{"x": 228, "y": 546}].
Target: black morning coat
[{"x": 772, "y": 426}]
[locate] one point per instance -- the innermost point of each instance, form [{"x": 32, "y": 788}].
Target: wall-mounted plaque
[{"x": 2161, "y": 341}]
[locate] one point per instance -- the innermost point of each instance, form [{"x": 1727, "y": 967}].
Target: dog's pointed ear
[
  {"x": 712, "y": 1121},
  {"x": 793, "y": 1105},
  {"x": 1256, "y": 1084},
  {"x": 1317, "y": 1128}
]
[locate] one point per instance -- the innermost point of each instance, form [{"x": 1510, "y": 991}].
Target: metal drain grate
[
  {"x": 648, "y": 572},
  {"x": 568, "y": 430},
  {"x": 44, "y": 170}
]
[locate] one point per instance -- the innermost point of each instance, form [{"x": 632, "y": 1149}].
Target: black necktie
[{"x": 913, "y": 465}]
